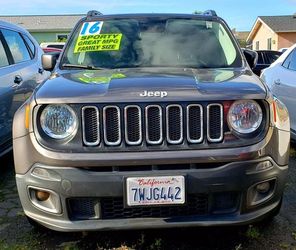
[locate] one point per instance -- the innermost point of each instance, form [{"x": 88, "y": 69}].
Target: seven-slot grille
[{"x": 152, "y": 124}]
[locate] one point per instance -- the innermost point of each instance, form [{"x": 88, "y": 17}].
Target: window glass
[
  {"x": 3, "y": 57},
  {"x": 292, "y": 64},
  {"x": 17, "y": 46},
  {"x": 257, "y": 45},
  {"x": 151, "y": 42},
  {"x": 288, "y": 59},
  {"x": 269, "y": 43},
  {"x": 62, "y": 37},
  {"x": 30, "y": 44}
]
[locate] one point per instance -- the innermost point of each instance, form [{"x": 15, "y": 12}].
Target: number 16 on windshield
[{"x": 91, "y": 28}]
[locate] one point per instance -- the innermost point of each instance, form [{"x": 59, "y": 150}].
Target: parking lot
[{"x": 17, "y": 233}]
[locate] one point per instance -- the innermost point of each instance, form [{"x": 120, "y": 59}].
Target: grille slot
[
  {"x": 112, "y": 125},
  {"x": 133, "y": 125},
  {"x": 83, "y": 209},
  {"x": 174, "y": 124},
  {"x": 215, "y": 122},
  {"x": 113, "y": 208},
  {"x": 90, "y": 125},
  {"x": 153, "y": 116},
  {"x": 194, "y": 123}
]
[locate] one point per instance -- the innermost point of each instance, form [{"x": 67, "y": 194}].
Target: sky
[{"x": 237, "y": 13}]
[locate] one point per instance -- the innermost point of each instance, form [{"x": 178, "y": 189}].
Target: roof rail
[
  {"x": 93, "y": 13},
  {"x": 210, "y": 13}
]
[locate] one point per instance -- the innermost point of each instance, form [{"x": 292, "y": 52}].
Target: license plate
[{"x": 164, "y": 190}]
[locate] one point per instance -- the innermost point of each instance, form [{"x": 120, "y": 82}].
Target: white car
[{"x": 281, "y": 79}]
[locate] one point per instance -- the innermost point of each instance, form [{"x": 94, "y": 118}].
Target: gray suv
[
  {"x": 20, "y": 72},
  {"x": 150, "y": 121}
]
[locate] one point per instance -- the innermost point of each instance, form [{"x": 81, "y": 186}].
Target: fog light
[
  {"x": 261, "y": 192},
  {"x": 263, "y": 187},
  {"x": 42, "y": 195},
  {"x": 45, "y": 199}
]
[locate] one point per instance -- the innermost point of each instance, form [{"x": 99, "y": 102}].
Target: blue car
[{"x": 20, "y": 72}]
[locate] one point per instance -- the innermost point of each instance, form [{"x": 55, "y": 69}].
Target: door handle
[
  {"x": 277, "y": 82},
  {"x": 18, "y": 79}
]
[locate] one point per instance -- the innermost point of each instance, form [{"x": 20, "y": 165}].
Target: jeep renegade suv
[{"x": 150, "y": 121}]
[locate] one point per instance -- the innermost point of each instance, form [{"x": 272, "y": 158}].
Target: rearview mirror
[
  {"x": 251, "y": 57},
  {"x": 49, "y": 60}
]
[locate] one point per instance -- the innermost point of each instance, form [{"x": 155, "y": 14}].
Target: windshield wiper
[{"x": 80, "y": 66}]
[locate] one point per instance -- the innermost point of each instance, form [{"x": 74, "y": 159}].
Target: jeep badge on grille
[{"x": 160, "y": 94}]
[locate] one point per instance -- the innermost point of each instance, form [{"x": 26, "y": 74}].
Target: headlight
[
  {"x": 59, "y": 121},
  {"x": 245, "y": 116}
]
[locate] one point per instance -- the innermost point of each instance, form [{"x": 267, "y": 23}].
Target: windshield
[{"x": 151, "y": 42}]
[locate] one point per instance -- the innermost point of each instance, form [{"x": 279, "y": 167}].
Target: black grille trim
[
  {"x": 148, "y": 119},
  {"x": 91, "y": 126},
  {"x": 171, "y": 125},
  {"x": 194, "y": 131},
  {"x": 215, "y": 122},
  {"x": 133, "y": 125},
  {"x": 174, "y": 123},
  {"x": 114, "y": 208},
  {"x": 115, "y": 126}
]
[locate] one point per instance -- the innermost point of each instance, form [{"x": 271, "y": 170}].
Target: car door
[
  {"x": 284, "y": 86},
  {"x": 7, "y": 89},
  {"x": 20, "y": 78}
]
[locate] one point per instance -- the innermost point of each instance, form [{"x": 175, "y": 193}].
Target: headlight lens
[
  {"x": 245, "y": 116},
  {"x": 58, "y": 121}
]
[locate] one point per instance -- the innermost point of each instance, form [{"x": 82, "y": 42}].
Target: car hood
[{"x": 126, "y": 85}]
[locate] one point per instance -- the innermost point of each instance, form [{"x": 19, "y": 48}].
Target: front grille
[
  {"x": 112, "y": 125},
  {"x": 194, "y": 123},
  {"x": 174, "y": 125},
  {"x": 90, "y": 124},
  {"x": 154, "y": 128},
  {"x": 83, "y": 208},
  {"x": 150, "y": 125},
  {"x": 215, "y": 122},
  {"x": 113, "y": 208},
  {"x": 133, "y": 125}
]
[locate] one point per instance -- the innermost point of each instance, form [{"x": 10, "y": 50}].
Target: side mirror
[
  {"x": 49, "y": 60},
  {"x": 251, "y": 57}
]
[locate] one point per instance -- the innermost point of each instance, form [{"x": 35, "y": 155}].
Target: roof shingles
[
  {"x": 280, "y": 23},
  {"x": 44, "y": 22}
]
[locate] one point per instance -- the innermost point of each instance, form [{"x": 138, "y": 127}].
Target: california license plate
[{"x": 146, "y": 191}]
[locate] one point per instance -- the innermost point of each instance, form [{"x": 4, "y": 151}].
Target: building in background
[
  {"x": 273, "y": 32},
  {"x": 241, "y": 37},
  {"x": 46, "y": 28}
]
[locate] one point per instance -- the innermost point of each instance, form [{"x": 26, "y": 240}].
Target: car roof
[
  {"x": 283, "y": 56},
  {"x": 153, "y": 15},
  {"x": 11, "y": 26}
]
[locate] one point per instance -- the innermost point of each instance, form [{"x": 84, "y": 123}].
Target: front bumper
[{"x": 235, "y": 178}]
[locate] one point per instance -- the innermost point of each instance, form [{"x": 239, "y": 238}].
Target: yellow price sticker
[{"x": 99, "y": 42}]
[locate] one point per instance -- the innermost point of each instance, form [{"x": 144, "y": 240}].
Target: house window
[
  {"x": 257, "y": 45},
  {"x": 62, "y": 37},
  {"x": 269, "y": 43}
]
